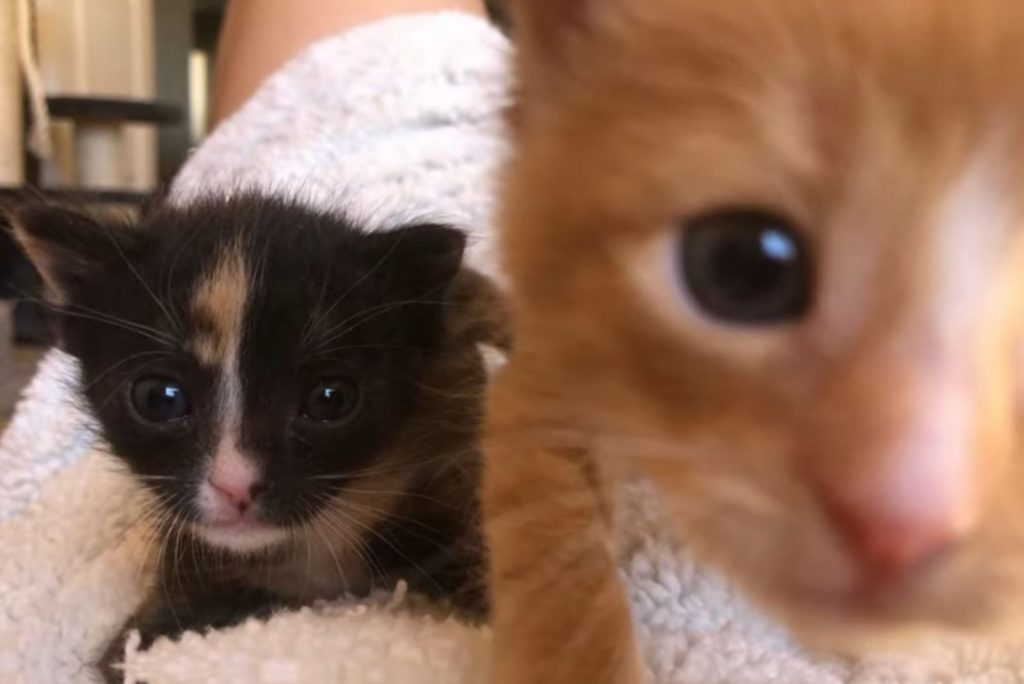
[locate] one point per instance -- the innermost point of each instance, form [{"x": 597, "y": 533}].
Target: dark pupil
[
  {"x": 330, "y": 400},
  {"x": 160, "y": 400},
  {"x": 746, "y": 267}
]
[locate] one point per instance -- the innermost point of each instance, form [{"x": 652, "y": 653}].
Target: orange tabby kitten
[{"x": 770, "y": 254}]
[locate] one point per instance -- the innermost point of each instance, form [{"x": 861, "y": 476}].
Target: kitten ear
[
  {"x": 67, "y": 246},
  {"x": 424, "y": 258}
]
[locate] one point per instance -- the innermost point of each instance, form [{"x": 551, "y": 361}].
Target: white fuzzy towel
[{"x": 395, "y": 120}]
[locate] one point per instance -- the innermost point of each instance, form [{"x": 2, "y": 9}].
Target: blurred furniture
[
  {"x": 96, "y": 60},
  {"x": 98, "y": 122}
]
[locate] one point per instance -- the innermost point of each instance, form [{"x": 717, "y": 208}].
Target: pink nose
[
  {"x": 889, "y": 547},
  {"x": 237, "y": 492}
]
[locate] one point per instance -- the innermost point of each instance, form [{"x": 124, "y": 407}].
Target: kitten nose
[
  {"x": 888, "y": 547},
  {"x": 234, "y": 477},
  {"x": 902, "y": 483},
  {"x": 237, "y": 493}
]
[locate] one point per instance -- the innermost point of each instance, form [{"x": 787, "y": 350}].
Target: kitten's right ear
[{"x": 67, "y": 246}]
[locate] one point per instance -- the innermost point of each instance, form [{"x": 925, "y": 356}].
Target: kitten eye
[
  {"x": 160, "y": 400},
  {"x": 746, "y": 267},
  {"x": 330, "y": 400}
]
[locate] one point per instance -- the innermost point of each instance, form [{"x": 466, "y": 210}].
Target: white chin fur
[{"x": 241, "y": 541}]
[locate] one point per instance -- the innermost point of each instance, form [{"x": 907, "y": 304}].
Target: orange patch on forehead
[{"x": 219, "y": 306}]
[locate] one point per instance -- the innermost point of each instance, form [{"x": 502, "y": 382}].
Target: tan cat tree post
[{"x": 11, "y": 171}]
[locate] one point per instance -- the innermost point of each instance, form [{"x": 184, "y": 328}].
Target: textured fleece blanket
[{"x": 393, "y": 120}]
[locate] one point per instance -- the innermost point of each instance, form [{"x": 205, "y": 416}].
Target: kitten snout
[
  {"x": 234, "y": 480},
  {"x": 234, "y": 494},
  {"x": 229, "y": 503},
  {"x": 905, "y": 486},
  {"x": 889, "y": 548}
]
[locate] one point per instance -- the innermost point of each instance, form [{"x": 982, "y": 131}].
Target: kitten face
[
  {"x": 250, "y": 360},
  {"x": 787, "y": 280}
]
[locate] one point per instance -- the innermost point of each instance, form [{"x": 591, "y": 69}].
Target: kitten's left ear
[
  {"x": 68, "y": 246},
  {"x": 424, "y": 258}
]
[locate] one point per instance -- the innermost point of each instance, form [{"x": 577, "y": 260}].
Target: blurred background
[{"x": 100, "y": 101}]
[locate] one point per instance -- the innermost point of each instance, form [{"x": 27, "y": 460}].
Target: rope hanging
[{"x": 39, "y": 140}]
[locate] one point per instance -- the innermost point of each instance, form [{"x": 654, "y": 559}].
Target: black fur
[{"x": 327, "y": 299}]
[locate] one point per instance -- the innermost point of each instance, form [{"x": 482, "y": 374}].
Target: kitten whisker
[
  {"x": 330, "y": 550},
  {"x": 147, "y": 515},
  {"x": 366, "y": 315},
  {"x": 164, "y": 541},
  {"x": 259, "y": 268},
  {"x": 87, "y": 313},
  {"x": 79, "y": 311},
  {"x": 193, "y": 232},
  {"x": 310, "y": 325},
  {"x": 385, "y": 515},
  {"x": 376, "y": 533},
  {"x": 152, "y": 525},
  {"x": 350, "y": 347},
  {"x": 196, "y": 550},
  {"x": 408, "y": 463},
  {"x": 358, "y": 544},
  {"x": 307, "y": 507},
  {"x": 114, "y": 366},
  {"x": 156, "y": 300},
  {"x": 447, "y": 393},
  {"x": 309, "y": 556},
  {"x": 403, "y": 494},
  {"x": 113, "y": 393},
  {"x": 373, "y": 270}
]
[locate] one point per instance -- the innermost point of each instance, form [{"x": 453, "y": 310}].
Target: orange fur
[{"x": 892, "y": 133}]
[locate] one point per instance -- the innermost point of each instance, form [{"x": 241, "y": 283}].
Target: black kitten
[{"x": 301, "y": 396}]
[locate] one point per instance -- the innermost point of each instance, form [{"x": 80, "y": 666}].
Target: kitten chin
[
  {"x": 241, "y": 538},
  {"x": 785, "y": 282},
  {"x": 300, "y": 396}
]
